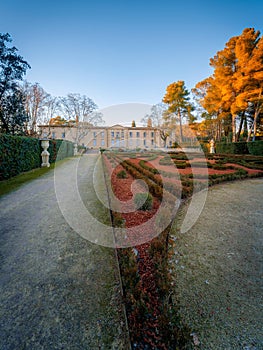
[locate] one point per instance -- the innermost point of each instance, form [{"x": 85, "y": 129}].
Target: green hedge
[
  {"x": 19, "y": 154},
  {"x": 253, "y": 147},
  {"x": 60, "y": 149},
  {"x": 233, "y": 148}
]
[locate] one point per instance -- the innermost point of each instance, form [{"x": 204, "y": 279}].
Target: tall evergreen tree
[
  {"x": 179, "y": 105},
  {"x": 12, "y": 69}
]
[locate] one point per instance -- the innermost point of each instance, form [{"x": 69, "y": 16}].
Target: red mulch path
[
  {"x": 122, "y": 188},
  {"x": 143, "y": 331}
]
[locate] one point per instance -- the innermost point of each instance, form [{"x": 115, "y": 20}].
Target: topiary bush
[
  {"x": 143, "y": 201},
  {"x": 122, "y": 174}
]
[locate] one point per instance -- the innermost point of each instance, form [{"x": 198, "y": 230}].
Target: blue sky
[{"x": 120, "y": 52}]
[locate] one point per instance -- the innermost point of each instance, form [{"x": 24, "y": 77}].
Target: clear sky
[{"x": 118, "y": 52}]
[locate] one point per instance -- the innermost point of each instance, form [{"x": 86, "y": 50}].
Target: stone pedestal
[
  {"x": 75, "y": 149},
  {"x": 45, "y": 153},
  {"x": 212, "y": 146}
]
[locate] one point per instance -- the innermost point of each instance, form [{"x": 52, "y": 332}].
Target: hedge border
[{"x": 19, "y": 154}]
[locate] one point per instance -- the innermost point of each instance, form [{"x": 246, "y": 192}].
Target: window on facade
[
  {"x": 102, "y": 134},
  {"x": 112, "y": 142},
  {"x": 94, "y": 134},
  {"x": 137, "y": 134},
  {"x": 144, "y": 142},
  {"x": 63, "y": 135},
  {"x": 130, "y": 133},
  {"x": 118, "y": 134},
  {"x": 112, "y": 134},
  {"x": 122, "y": 134},
  {"x": 102, "y": 143},
  {"x": 152, "y": 141},
  {"x": 144, "y": 134},
  {"x": 152, "y": 134},
  {"x": 53, "y": 135},
  {"x": 94, "y": 142}
]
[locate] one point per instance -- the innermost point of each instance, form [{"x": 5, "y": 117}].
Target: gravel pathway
[
  {"x": 218, "y": 268},
  {"x": 58, "y": 290}
]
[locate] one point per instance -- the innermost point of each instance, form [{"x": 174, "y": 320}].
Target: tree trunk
[
  {"x": 253, "y": 127},
  {"x": 250, "y": 132},
  {"x": 4, "y": 126},
  {"x": 245, "y": 132},
  {"x": 181, "y": 127},
  {"x": 240, "y": 126},
  {"x": 233, "y": 128}
]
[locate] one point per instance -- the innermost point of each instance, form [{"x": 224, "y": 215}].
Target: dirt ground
[{"x": 217, "y": 268}]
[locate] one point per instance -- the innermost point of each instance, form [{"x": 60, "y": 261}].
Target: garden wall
[{"x": 19, "y": 154}]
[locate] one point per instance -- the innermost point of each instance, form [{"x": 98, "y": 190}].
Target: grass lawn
[{"x": 15, "y": 182}]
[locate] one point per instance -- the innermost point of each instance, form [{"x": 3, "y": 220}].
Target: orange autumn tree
[
  {"x": 249, "y": 77},
  {"x": 57, "y": 121},
  {"x": 215, "y": 112},
  {"x": 234, "y": 91}
]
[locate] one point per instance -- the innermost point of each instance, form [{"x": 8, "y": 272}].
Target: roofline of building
[{"x": 101, "y": 127}]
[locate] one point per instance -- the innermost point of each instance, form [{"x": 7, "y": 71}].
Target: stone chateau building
[{"x": 105, "y": 136}]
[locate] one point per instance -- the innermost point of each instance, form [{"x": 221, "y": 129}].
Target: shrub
[
  {"x": 143, "y": 201},
  {"x": 154, "y": 184},
  {"x": 204, "y": 146},
  {"x": 233, "y": 148},
  {"x": 144, "y": 166},
  {"x": 201, "y": 164},
  {"x": 18, "y": 154},
  {"x": 122, "y": 174},
  {"x": 118, "y": 220},
  {"x": 178, "y": 156},
  {"x": 222, "y": 167},
  {"x": 60, "y": 149},
  {"x": 180, "y": 165},
  {"x": 255, "y": 148}
]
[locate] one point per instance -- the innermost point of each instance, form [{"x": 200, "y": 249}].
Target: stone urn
[{"x": 45, "y": 153}]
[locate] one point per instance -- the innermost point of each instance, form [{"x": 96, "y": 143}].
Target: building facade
[{"x": 116, "y": 136}]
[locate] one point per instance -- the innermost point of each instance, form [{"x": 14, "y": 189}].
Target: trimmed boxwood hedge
[
  {"x": 253, "y": 147},
  {"x": 60, "y": 149},
  {"x": 233, "y": 148},
  {"x": 19, "y": 154}
]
